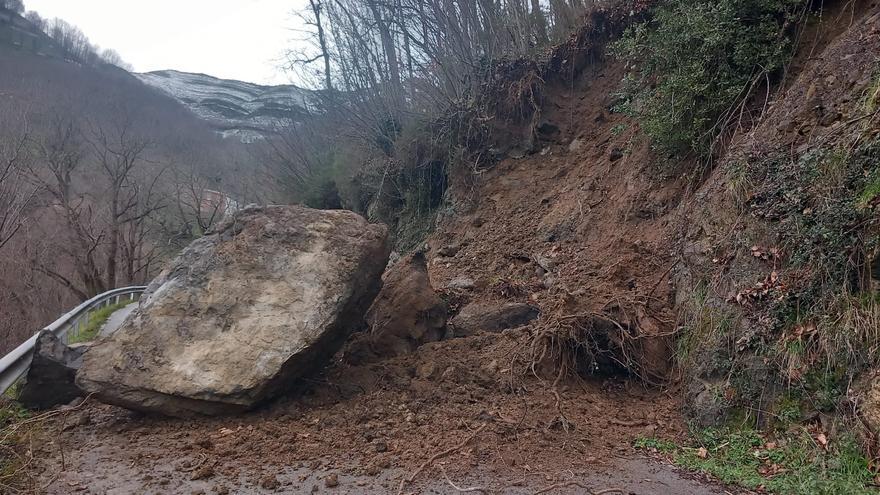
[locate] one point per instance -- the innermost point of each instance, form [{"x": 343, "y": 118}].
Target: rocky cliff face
[{"x": 237, "y": 109}]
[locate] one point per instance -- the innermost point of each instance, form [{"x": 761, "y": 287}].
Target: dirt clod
[
  {"x": 204, "y": 472},
  {"x": 270, "y": 482}
]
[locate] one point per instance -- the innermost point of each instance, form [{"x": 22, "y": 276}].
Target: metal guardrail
[{"x": 15, "y": 364}]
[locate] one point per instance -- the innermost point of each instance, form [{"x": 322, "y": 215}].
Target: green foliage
[
  {"x": 811, "y": 335},
  {"x": 793, "y": 463},
  {"x": 788, "y": 410},
  {"x": 871, "y": 190},
  {"x": 11, "y": 411},
  {"x": 704, "y": 323},
  {"x": 96, "y": 320},
  {"x": 655, "y": 444},
  {"x": 694, "y": 60},
  {"x": 819, "y": 200},
  {"x": 12, "y": 444}
]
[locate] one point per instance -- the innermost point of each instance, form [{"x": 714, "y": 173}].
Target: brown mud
[{"x": 374, "y": 425}]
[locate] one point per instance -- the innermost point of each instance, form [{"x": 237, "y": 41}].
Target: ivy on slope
[{"x": 694, "y": 60}]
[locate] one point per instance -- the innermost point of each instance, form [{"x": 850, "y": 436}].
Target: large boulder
[
  {"x": 50, "y": 379},
  {"x": 242, "y": 313},
  {"x": 407, "y": 313}
]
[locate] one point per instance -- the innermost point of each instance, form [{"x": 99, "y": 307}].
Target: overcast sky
[{"x": 243, "y": 39}]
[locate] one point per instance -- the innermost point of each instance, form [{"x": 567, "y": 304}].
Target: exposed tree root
[
  {"x": 578, "y": 484},
  {"x": 436, "y": 456}
]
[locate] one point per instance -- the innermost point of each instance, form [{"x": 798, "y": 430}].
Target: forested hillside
[{"x": 103, "y": 177}]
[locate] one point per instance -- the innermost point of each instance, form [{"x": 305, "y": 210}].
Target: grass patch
[
  {"x": 794, "y": 463},
  {"x": 11, "y": 411},
  {"x": 14, "y": 442},
  {"x": 705, "y": 324},
  {"x": 870, "y": 192},
  {"x": 96, "y": 320}
]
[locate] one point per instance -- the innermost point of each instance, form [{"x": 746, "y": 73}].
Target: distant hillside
[
  {"x": 18, "y": 32},
  {"x": 52, "y": 104},
  {"x": 235, "y": 108}
]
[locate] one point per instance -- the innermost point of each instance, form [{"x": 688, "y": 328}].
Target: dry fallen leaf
[{"x": 702, "y": 453}]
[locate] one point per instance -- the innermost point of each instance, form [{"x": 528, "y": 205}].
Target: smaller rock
[
  {"x": 51, "y": 378},
  {"x": 81, "y": 419},
  {"x": 426, "y": 370},
  {"x": 829, "y": 118},
  {"x": 482, "y": 317},
  {"x": 205, "y": 443},
  {"x": 204, "y": 472},
  {"x": 393, "y": 258},
  {"x": 575, "y": 145},
  {"x": 547, "y": 130},
  {"x": 461, "y": 283},
  {"x": 380, "y": 446},
  {"x": 331, "y": 480},
  {"x": 270, "y": 482},
  {"x": 545, "y": 263},
  {"x": 408, "y": 312},
  {"x": 616, "y": 154},
  {"x": 449, "y": 374},
  {"x": 449, "y": 250}
]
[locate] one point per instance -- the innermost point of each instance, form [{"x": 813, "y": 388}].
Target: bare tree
[
  {"x": 36, "y": 20},
  {"x": 119, "y": 150},
  {"x": 107, "y": 229},
  {"x": 60, "y": 153},
  {"x": 112, "y": 57},
  {"x": 196, "y": 202},
  {"x": 16, "y": 6},
  {"x": 72, "y": 42},
  {"x": 15, "y": 192}
]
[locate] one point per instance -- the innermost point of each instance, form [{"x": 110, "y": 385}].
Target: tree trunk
[
  {"x": 322, "y": 42},
  {"x": 390, "y": 56}
]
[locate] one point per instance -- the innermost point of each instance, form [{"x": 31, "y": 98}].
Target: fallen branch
[
  {"x": 202, "y": 459},
  {"x": 459, "y": 489},
  {"x": 578, "y": 484},
  {"x": 630, "y": 424},
  {"x": 434, "y": 457}
]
